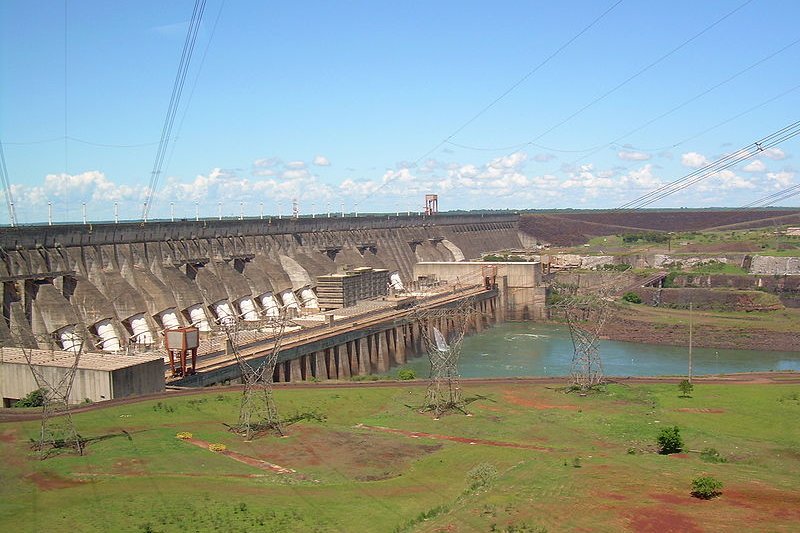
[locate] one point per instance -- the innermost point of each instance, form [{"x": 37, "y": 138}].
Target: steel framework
[
  {"x": 586, "y": 316},
  {"x": 58, "y": 430},
  {"x": 258, "y": 413},
  {"x": 443, "y": 331}
]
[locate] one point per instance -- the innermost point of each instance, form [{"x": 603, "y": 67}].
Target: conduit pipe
[{"x": 109, "y": 342}]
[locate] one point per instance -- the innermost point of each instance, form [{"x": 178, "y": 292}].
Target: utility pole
[{"x": 691, "y": 331}]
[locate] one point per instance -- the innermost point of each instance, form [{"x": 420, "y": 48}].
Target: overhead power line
[
  {"x": 713, "y": 168},
  {"x": 174, "y": 101},
  {"x": 510, "y": 89},
  {"x": 12, "y": 216},
  {"x": 622, "y": 84},
  {"x": 774, "y": 198}
]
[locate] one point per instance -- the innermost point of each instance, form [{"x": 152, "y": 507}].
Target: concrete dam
[{"x": 121, "y": 285}]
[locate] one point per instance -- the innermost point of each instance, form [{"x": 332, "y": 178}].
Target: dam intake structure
[{"x": 121, "y": 285}]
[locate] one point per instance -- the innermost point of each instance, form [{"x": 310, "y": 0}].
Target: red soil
[
  {"x": 463, "y": 440},
  {"x": 252, "y": 461},
  {"x": 658, "y": 519},
  {"x": 533, "y": 404},
  {"x": 51, "y": 481}
]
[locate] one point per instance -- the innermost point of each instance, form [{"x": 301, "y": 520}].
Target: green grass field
[{"x": 589, "y": 464}]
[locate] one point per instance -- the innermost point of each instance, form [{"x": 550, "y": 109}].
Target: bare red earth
[{"x": 463, "y": 440}]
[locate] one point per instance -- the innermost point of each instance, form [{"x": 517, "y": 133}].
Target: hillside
[{"x": 569, "y": 228}]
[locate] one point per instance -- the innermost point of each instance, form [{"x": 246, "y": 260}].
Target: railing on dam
[{"x": 33, "y": 236}]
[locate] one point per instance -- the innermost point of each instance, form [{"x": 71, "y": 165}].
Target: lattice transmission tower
[
  {"x": 258, "y": 413},
  {"x": 57, "y": 430},
  {"x": 443, "y": 331},
  {"x": 586, "y": 315}
]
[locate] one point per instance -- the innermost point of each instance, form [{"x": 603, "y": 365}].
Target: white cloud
[
  {"x": 693, "y": 160},
  {"x": 641, "y": 178},
  {"x": 730, "y": 180},
  {"x": 296, "y": 164},
  {"x": 774, "y": 153},
  {"x": 781, "y": 179},
  {"x": 543, "y": 158},
  {"x": 267, "y": 162},
  {"x": 632, "y": 155},
  {"x": 322, "y": 161},
  {"x": 755, "y": 166}
]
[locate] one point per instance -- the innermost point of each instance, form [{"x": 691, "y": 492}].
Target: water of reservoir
[{"x": 533, "y": 349}]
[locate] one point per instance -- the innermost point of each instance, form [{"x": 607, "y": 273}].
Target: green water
[{"x": 533, "y": 349}]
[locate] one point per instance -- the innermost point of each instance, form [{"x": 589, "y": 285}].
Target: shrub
[
  {"x": 184, "y": 435},
  {"x": 217, "y": 447},
  {"x": 706, "y": 487},
  {"x": 686, "y": 388},
  {"x": 35, "y": 398},
  {"x": 406, "y": 374},
  {"x": 711, "y": 455},
  {"x": 669, "y": 440},
  {"x": 481, "y": 475},
  {"x": 632, "y": 297}
]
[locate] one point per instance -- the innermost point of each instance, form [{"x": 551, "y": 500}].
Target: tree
[
  {"x": 35, "y": 398},
  {"x": 686, "y": 388},
  {"x": 706, "y": 487},
  {"x": 406, "y": 374},
  {"x": 632, "y": 297},
  {"x": 669, "y": 440}
]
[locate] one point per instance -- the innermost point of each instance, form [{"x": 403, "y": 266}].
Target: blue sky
[{"x": 338, "y": 102}]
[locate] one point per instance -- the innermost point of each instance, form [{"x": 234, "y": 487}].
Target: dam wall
[{"x": 120, "y": 285}]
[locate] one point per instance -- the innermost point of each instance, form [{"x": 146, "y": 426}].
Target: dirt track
[{"x": 748, "y": 378}]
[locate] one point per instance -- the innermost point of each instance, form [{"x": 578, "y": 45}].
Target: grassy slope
[{"x": 368, "y": 481}]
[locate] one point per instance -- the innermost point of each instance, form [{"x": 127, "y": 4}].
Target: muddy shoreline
[{"x": 626, "y": 328}]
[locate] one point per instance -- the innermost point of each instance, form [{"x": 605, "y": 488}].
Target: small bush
[
  {"x": 706, "y": 487},
  {"x": 686, "y": 388},
  {"x": 576, "y": 462},
  {"x": 669, "y": 440},
  {"x": 481, "y": 475},
  {"x": 184, "y": 435},
  {"x": 34, "y": 398},
  {"x": 632, "y": 297},
  {"x": 711, "y": 455},
  {"x": 217, "y": 447},
  {"x": 406, "y": 374}
]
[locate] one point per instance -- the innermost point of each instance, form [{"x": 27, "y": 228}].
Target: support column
[
  {"x": 382, "y": 352},
  {"x": 479, "y": 318},
  {"x": 342, "y": 361},
  {"x": 307, "y": 365},
  {"x": 352, "y": 354},
  {"x": 321, "y": 366},
  {"x": 400, "y": 346},
  {"x": 364, "y": 366},
  {"x": 330, "y": 359},
  {"x": 295, "y": 373},
  {"x": 391, "y": 347}
]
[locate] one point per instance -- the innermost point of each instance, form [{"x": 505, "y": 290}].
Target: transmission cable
[
  {"x": 508, "y": 91},
  {"x": 174, "y": 102},
  {"x": 631, "y": 78},
  {"x": 713, "y": 168},
  {"x": 775, "y": 197},
  {"x": 12, "y": 217}
]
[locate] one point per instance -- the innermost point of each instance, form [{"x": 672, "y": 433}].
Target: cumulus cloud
[
  {"x": 633, "y": 155},
  {"x": 322, "y": 161},
  {"x": 693, "y": 160},
  {"x": 774, "y": 153},
  {"x": 755, "y": 166},
  {"x": 781, "y": 179}
]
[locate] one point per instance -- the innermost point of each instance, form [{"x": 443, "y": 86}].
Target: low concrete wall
[{"x": 522, "y": 295}]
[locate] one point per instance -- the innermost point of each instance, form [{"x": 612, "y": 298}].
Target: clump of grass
[{"x": 711, "y": 455}]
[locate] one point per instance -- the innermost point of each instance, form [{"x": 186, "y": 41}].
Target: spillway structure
[{"x": 121, "y": 285}]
